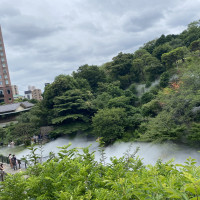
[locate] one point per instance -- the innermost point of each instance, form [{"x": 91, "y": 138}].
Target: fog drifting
[{"x": 150, "y": 153}]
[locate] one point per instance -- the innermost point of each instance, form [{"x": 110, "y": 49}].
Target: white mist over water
[{"x": 149, "y": 152}]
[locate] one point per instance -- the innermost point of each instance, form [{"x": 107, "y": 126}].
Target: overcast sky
[{"x": 45, "y": 38}]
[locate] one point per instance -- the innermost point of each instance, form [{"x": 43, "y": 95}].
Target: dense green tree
[
  {"x": 161, "y": 40},
  {"x": 194, "y": 134},
  {"x": 171, "y": 37},
  {"x": 133, "y": 99},
  {"x": 93, "y": 74},
  {"x": 2, "y": 134},
  {"x": 61, "y": 84},
  {"x": 137, "y": 70},
  {"x": 192, "y": 33},
  {"x": 72, "y": 111},
  {"x": 163, "y": 128},
  {"x": 175, "y": 121},
  {"x": 132, "y": 88},
  {"x": 134, "y": 119},
  {"x": 161, "y": 49},
  {"x": 151, "y": 108},
  {"x": 145, "y": 66},
  {"x": 195, "y": 45},
  {"x": 153, "y": 68},
  {"x": 120, "y": 65},
  {"x": 125, "y": 81},
  {"x": 149, "y": 46},
  {"x": 164, "y": 79},
  {"x": 119, "y": 69},
  {"x": 40, "y": 115},
  {"x": 119, "y": 102},
  {"x": 109, "y": 124},
  {"x": 113, "y": 89},
  {"x": 173, "y": 56},
  {"x": 177, "y": 42},
  {"x": 34, "y": 101},
  {"x": 101, "y": 101},
  {"x": 147, "y": 97},
  {"x": 23, "y": 132},
  {"x": 28, "y": 124},
  {"x": 139, "y": 53}
]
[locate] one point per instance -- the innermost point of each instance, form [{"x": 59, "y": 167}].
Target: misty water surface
[{"x": 149, "y": 152}]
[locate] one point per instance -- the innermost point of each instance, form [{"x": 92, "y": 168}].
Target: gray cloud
[{"x": 46, "y": 38}]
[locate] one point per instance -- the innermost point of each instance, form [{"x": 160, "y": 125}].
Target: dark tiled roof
[
  {"x": 12, "y": 107},
  {"x": 27, "y": 104}
]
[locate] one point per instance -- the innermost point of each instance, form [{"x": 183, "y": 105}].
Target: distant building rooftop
[
  {"x": 28, "y": 92},
  {"x": 15, "y": 107},
  {"x": 18, "y": 96}
]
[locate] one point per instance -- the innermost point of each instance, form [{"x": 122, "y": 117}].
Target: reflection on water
[{"x": 150, "y": 153}]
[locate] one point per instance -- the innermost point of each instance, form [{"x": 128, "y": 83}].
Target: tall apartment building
[
  {"x": 37, "y": 94},
  {"x": 28, "y": 94},
  {"x": 6, "y": 94},
  {"x": 15, "y": 90},
  {"x": 33, "y": 93}
]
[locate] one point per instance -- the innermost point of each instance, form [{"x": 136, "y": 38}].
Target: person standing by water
[
  {"x": 14, "y": 162},
  {"x": 12, "y": 143},
  {"x": 19, "y": 163},
  {"x": 2, "y": 173},
  {"x": 10, "y": 160}
]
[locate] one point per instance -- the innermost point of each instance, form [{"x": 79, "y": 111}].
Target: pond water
[{"x": 149, "y": 152}]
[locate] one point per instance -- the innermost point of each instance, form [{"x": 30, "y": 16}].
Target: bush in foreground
[{"x": 75, "y": 175}]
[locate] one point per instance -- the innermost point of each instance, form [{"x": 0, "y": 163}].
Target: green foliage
[
  {"x": 113, "y": 89},
  {"x": 151, "y": 108},
  {"x": 192, "y": 33},
  {"x": 161, "y": 49},
  {"x": 75, "y": 174},
  {"x": 21, "y": 132},
  {"x": 173, "y": 56},
  {"x": 194, "y": 133},
  {"x": 195, "y": 45},
  {"x": 179, "y": 109},
  {"x": 61, "y": 84},
  {"x": 93, "y": 74},
  {"x": 14, "y": 187},
  {"x": 34, "y": 101},
  {"x": 145, "y": 66},
  {"x": 149, "y": 46},
  {"x": 101, "y": 101},
  {"x": 164, "y": 80},
  {"x": 2, "y": 133},
  {"x": 119, "y": 102},
  {"x": 75, "y": 106},
  {"x": 70, "y": 129},
  {"x": 147, "y": 97},
  {"x": 119, "y": 69},
  {"x": 71, "y": 102},
  {"x": 33, "y": 157},
  {"x": 109, "y": 124},
  {"x": 24, "y": 132}
]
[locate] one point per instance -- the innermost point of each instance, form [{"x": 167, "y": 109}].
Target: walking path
[{"x": 8, "y": 169}]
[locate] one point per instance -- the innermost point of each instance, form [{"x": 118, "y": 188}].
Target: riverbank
[
  {"x": 149, "y": 152},
  {"x": 9, "y": 170}
]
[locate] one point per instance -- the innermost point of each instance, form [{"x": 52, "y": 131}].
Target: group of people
[{"x": 14, "y": 161}]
